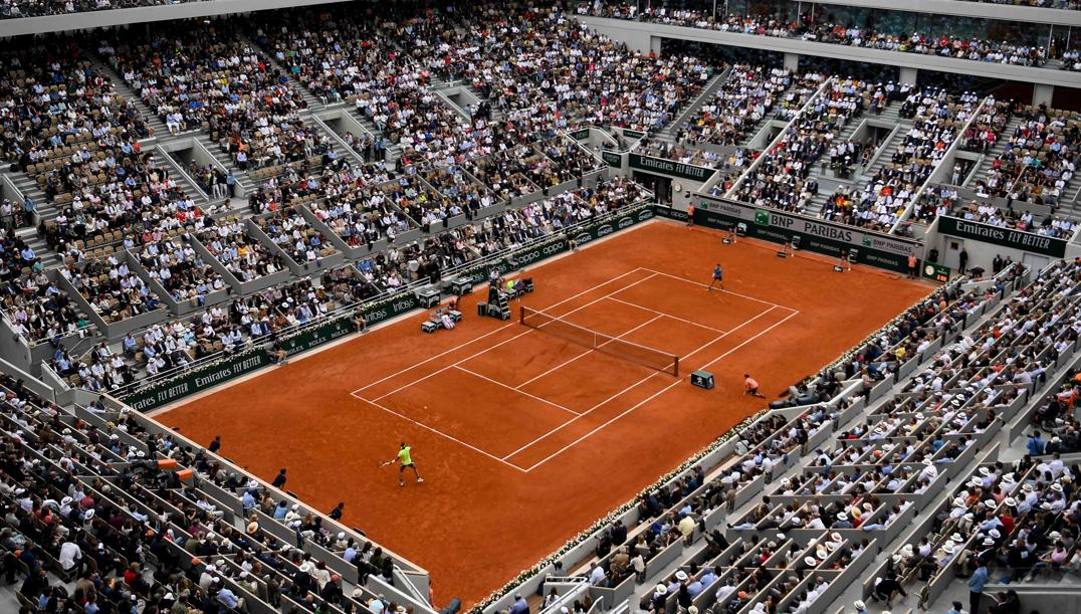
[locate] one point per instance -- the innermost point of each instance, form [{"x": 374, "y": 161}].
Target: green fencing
[
  {"x": 315, "y": 336},
  {"x": 392, "y": 307}
]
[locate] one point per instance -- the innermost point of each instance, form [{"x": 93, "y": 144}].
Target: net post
[
  {"x": 676, "y": 367},
  {"x": 521, "y": 314}
]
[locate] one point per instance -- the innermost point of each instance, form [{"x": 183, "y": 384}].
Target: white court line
[
  {"x": 640, "y": 382},
  {"x": 698, "y": 283},
  {"x": 654, "y": 395},
  {"x": 521, "y": 392},
  {"x": 667, "y": 315},
  {"x": 504, "y": 342},
  {"x": 501, "y": 328},
  {"x": 438, "y": 432},
  {"x": 590, "y": 350}
]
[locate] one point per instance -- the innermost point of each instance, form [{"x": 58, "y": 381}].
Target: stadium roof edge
[{"x": 22, "y": 26}]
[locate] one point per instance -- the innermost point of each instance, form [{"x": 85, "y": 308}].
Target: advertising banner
[
  {"x": 700, "y": 174},
  {"x": 1006, "y": 237},
  {"x": 820, "y": 236},
  {"x": 317, "y": 335},
  {"x": 196, "y": 380}
]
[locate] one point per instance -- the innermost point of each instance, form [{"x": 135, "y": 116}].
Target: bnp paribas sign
[{"x": 1006, "y": 237}]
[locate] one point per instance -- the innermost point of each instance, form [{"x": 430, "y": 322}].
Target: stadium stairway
[
  {"x": 48, "y": 256},
  {"x": 990, "y": 157},
  {"x": 155, "y": 123},
  {"x": 889, "y": 116},
  {"x": 826, "y": 187},
  {"x": 1071, "y": 204},
  {"x": 394, "y": 150},
  {"x": 242, "y": 178},
  {"x": 827, "y": 183},
  {"x": 668, "y": 133},
  {"x": 28, "y": 187},
  {"x": 161, "y": 159},
  {"x": 497, "y": 113},
  {"x": 46, "y": 211}
]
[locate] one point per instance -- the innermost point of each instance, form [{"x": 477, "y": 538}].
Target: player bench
[{"x": 435, "y": 322}]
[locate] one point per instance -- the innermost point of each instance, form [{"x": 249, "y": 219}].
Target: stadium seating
[
  {"x": 781, "y": 179},
  {"x": 829, "y": 24},
  {"x": 106, "y": 501},
  {"x": 937, "y": 118},
  {"x": 125, "y": 276},
  {"x": 860, "y": 490}
]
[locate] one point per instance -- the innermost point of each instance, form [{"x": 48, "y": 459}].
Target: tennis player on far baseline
[{"x": 718, "y": 278}]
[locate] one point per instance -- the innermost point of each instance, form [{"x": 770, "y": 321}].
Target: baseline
[
  {"x": 635, "y": 385},
  {"x": 603, "y": 425},
  {"x": 438, "y": 432},
  {"x": 698, "y": 283}
]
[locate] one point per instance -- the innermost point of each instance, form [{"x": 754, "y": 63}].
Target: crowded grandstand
[{"x": 576, "y": 307}]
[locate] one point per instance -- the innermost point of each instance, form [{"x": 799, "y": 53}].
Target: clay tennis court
[{"x": 524, "y": 436}]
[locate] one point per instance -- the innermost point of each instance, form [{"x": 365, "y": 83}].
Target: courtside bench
[{"x": 432, "y": 325}]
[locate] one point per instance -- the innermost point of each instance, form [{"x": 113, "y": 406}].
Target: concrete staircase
[
  {"x": 155, "y": 123},
  {"x": 241, "y": 177},
  {"x": 715, "y": 82},
  {"x": 45, "y": 209},
  {"x": 48, "y": 257},
  {"x": 885, "y": 152},
  {"x": 342, "y": 151},
  {"x": 159, "y": 159},
  {"x": 28, "y": 187},
  {"x": 992, "y": 155},
  {"x": 826, "y": 187},
  {"x": 1070, "y": 204},
  {"x": 394, "y": 151},
  {"x": 827, "y": 183},
  {"x": 497, "y": 113}
]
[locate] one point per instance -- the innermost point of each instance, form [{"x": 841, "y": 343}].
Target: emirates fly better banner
[{"x": 1006, "y": 237}]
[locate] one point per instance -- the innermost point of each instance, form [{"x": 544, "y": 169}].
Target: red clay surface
[{"x": 524, "y": 439}]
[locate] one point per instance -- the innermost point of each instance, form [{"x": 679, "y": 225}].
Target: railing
[
  {"x": 777, "y": 139},
  {"x": 710, "y": 88},
  {"x": 950, "y": 154},
  {"x": 318, "y": 121},
  {"x": 168, "y": 158}
]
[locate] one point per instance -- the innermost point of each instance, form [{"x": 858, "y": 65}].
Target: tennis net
[{"x": 613, "y": 346}]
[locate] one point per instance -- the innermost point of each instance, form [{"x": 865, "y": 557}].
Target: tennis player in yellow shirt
[{"x": 405, "y": 460}]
